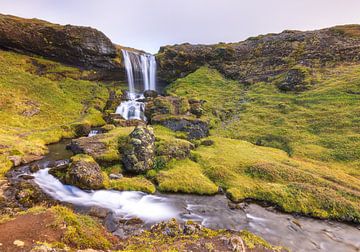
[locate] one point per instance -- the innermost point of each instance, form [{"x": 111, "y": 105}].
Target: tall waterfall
[{"x": 141, "y": 76}]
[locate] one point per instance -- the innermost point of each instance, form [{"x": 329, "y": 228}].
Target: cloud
[{"x": 149, "y": 24}]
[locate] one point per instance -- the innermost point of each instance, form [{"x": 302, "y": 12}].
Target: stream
[{"x": 294, "y": 232}]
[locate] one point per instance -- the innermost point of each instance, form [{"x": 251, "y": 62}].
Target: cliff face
[
  {"x": 260, "y": 58},
  {"x": 83, "y": 47}
]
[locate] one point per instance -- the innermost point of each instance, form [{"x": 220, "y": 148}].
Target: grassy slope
[
  {"x": 319, "y": 129},
  {"x": 63, "y": 100}
]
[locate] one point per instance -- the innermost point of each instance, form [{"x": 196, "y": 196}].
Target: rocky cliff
[
  {"x": 83, "y": 47},
  {"x": 263, "y": 57}
]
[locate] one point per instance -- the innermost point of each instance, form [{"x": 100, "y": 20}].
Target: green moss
[
  {"x": 138, "y": 183},
  {"x": 295, "y": 185},
  {"x": 113, "y": 139},
  {"x": 301, "y": 124},
  {"x": 252, "y": 241},
  {"x": 82, "y": 157},
  {"x": 39, "y": 109},
  {"x": 185, "y": 176},
  {"x": 81, "y": 231}
]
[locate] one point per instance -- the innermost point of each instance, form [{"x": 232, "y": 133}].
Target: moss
[
  {"x": 185, "y": 176},
  {"x": 36, "y": 109},
  {"x": 347, "y": 30},
  {"x": 81, "y": 231},
  {"x": 294, "y": 185},
  {"x": 138, "y": 183},
  {"x": 82, "y": 157},
  {"x": 113, "y": 139},
  {"x": 299, "y": 123},
  {"x": 252, "y": 241}
]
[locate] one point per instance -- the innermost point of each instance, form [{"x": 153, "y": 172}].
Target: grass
[
  {"x": 267, "y": 174},
  {"x": 58, "y": 105},
  {"x": 112, "y": 140},
  {"x": 313, "y": 164},
  {"x": 81, "y": 231},
  {"x": 185, "y": 176},
  {"x": 157, "y": 239},
  {"x": 138, "y": 183},
  {"x": 302, "y": 124}
]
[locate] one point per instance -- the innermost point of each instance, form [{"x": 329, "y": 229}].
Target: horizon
[{"x": 146, "y": 30}]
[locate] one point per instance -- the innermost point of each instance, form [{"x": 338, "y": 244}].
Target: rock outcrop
[
  {"x": 263, "y": 57},
  {"x": 85, "y": 173},
  {"x": 178, "y": 114},
  {"x": 75, "y": 45},
  {"x": 138, "y": 153}
]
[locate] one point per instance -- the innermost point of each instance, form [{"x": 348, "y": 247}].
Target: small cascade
[
  {"x": 93, "y": 133},
  {"x": 141, "y": 76}
]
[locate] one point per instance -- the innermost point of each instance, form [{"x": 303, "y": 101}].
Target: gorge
[{"x": 240, "y": 144}]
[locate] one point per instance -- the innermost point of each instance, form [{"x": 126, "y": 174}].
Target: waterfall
[{"x": 141, "y": 76}]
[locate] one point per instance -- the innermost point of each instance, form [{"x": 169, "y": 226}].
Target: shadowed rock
[
  {"x": 75, "y": 45},
  {"x": 139, "y": 150}
]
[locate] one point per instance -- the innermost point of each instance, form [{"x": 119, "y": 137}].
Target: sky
[{"x": 149, "y": 24}]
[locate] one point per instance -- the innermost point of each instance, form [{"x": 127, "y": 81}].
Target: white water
[
  {"x": 93, "y": 133},
  {"x": 131, "y": 109},
  {"x": 128, "y": 204},
  {"x": 141, "y": 76}
]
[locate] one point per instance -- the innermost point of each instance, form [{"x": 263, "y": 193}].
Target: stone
[
  {"x": 207, "y": 142},
  {"x": 236, "y": 244},
  {"x": 26, "y": 176},
  {"x": 85, "y": 173},
  {"x": 19, "y": 243},
  {"x": 138, "y": 152},
  {"x": 263, "y": 57},
  {"x": 75, "y": 45},
  {"x": 295, "y": 80},
  {"x": 16, "y": 160},
  {"x": 195, "y": 127},
  {"x": 34, "y": 167},
  {"x": 191, "y": 228},
  {"x": 150, "y": 94},
  {"x": 116, "y": 176},
  {"x": 82, "y": 129}
]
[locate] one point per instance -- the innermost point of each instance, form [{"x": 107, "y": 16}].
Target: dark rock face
[
  {"x": 139, "y": 150},
  {"x": 295, "y": 80},
  {"x": 85, "y": 173},
  {"x": 196, "y": 128},
  {"x": 79, "y": 46},
  {"x": 88, "y": 145},
  {"x": 166, "y": 105},
  {"x": 150, "y": 94},
  {"x": 260, "y": 58}
]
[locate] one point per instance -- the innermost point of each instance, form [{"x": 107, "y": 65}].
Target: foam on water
[
  {"x": 127, "y": 204},
  {"x": 141, "y": 76}
]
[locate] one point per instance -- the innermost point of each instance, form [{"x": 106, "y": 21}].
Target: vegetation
[
  {"x": 185, "y": 176},
  {"x": 317, "y": 174},
  {"x": 169, "y": 236},
  {"x": 302, "y": 124},
  {"x": 40, "y": 108},
  {"x": 81, "y": 231},
  {"x": 138, "y": 183}
]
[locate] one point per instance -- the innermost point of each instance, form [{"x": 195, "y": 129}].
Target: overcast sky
[{"x": 149, "y": 24}]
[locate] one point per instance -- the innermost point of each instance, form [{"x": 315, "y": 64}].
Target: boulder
[
  {"x": 166, "y": 105},
  {"x": 296, "y": 79},
  {"x": 195, "y": 127},
  {"x": 138, "y": 152},
  {"x": 150, "y": 94},
  {"x": 85, "y": 173}
]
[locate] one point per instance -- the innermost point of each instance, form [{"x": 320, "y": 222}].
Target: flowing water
[
  {"x": 141, "y": 76},
  {"x": 295, "y": 232}
]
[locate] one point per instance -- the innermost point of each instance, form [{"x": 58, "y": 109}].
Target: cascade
[{"x": 141, "y": 76}]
